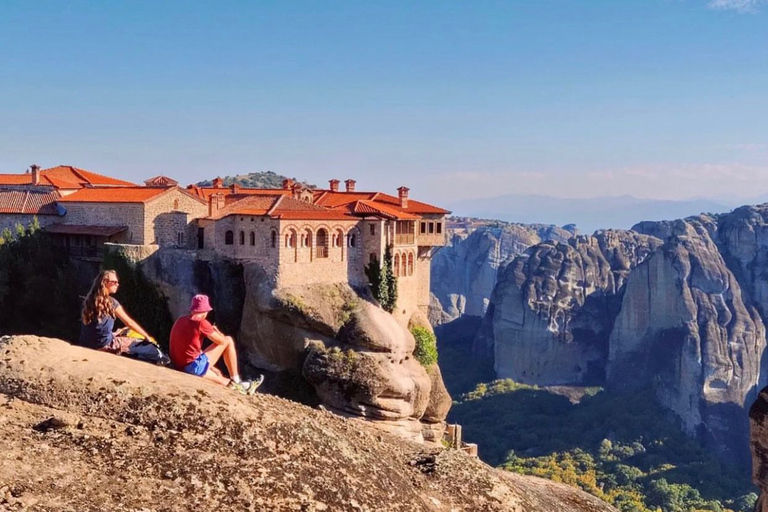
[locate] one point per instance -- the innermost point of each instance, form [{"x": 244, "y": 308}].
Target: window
[
  {"x": 175, "y": 204},
  {"x": 373, "y": 229},
  {"x": 290, "y": 239},
  {"x": 352, "y": 239},
  {"x": 439, "y": 228},
  {"x": 339, "y": 238},
  {"x": 423, "y": 228},
  {"x": 307, "y": 238},
  {"x": 201, "y": 238},
  {"x": 397, "y": 265},
  {"x": 253, "y": 238},
  {"x": 322, "y": 243},
  {"x": 404, "y": 232},
  {"x": 372, "y": 258},
  {"x": 273, "y": 239},
  {"x": 431, "y": 228},
  {"x": 410, "y": 264},
  {"x": 180, "y": 238},
  {"x": 229, "y": 238},
  {"x": 242, "y": 237}
]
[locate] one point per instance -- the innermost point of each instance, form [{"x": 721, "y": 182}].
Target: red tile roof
[
  {"x": 332, "y": 199},
  {"x": 114, "y": 195},
  {"x": 30, "y": 202},
  {"x": 64, "y": 176},
  {"x": 207, "y": 192},
  {"x": 161, "y": 181},
  {"x": 74, "y": 174},
  {"x": 250, "y": 205}
]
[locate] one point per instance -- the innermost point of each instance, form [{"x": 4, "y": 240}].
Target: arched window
[
  {"x": 253, "y": 238},
  {"x": 242, "y": 238},
  {"x": 229, "y": 237},
  {"x": 273, "y": 240},
  {"x": 322, "y": 243},
  {"x": 175, "y": 204},
  {"x": 352, "y": 240},
  {"x": 397, "y": 265},
  {"x": 307, "y": 237},
  {"x": 410, "y": 263},
  {"x": 290, "y": 239}
]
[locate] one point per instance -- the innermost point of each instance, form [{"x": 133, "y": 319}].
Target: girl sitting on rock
[{"x": 98, "y": 321}]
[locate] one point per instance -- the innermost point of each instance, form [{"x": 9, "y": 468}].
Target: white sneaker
[{"x": 252, "y": 386}]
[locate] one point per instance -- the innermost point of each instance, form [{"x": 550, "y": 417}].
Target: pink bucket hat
[{"x": 200, "y": 304}]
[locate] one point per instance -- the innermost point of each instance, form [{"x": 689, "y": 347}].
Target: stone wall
[
  {"x": 109, "y": 214},
  {"x": 9, "y": 220},
  {"x": 167, "y": 218},
  {"x": 300, "y": 262}
]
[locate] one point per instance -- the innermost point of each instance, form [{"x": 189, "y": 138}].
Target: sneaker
[
  {"x": 235, "y": 386},
  {"x": 252, "y": 386}
]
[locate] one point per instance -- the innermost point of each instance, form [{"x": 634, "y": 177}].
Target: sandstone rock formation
[
  {"x": 464, "y": 273},
  {"x": 677, "y": 306},
  {"x": 85, "y": 430},
  {"x": 552, "y": 310},
  {"x": 687, "y": 329}
]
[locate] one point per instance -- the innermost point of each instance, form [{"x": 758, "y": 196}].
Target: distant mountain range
[{"x": 590, "y": 214}]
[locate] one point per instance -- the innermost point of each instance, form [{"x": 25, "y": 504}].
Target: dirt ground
[{"x": 86, "y": 431}]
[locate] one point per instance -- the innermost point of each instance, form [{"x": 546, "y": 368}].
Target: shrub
[{"x": 426, "y": 346}]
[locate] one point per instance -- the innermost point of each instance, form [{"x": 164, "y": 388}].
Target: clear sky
[{"x": 571, "y": 98}]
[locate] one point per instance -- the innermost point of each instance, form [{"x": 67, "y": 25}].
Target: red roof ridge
[{"x": 274, "y": 206}]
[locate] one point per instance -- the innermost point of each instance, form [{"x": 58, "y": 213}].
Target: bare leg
[
  {"x": 214, "y": 353},
  {"x": 215, "y": 376}
]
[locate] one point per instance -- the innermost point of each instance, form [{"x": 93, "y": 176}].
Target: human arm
[{"x": 130, "y": 322}]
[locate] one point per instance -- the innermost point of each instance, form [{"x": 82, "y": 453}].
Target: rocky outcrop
[
  {"x": 687, "y": 329},
  {"x": 334, "y": 343},
  {"x": 85, "y": 430},
  {"x": 464, "y": 273},
  {"x": 552, "y": 311},
  {"x": 677, "y": 306},
  {"x": 356, "y": 356}
]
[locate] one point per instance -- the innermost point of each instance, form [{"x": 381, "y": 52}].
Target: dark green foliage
[
  {"x": 622, "y": 447},
  {"x": 140, "y": 298},
  {"x": 460, "y": 368},
  {"x": 383, "y": 282},
  {"x": 266, "y": 179},
  {"x": 426, "y": 346},
  {"x": 38, "y": 286}
]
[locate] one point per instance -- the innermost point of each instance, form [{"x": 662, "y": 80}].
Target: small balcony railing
[{"x": 321, "y": 251}]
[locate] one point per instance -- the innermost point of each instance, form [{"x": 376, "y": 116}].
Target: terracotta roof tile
[
  {"x": 15, "y": 179},
  {"x": 250, "y": 205},
  {"x": 31, "y": 202},
  {"x": 83, "y": 177},
  {"x": 113, "y": 195},
  {"x": 207, "y": 192}
]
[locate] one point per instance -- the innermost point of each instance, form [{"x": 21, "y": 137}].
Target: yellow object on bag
[{"x": 133, "y": 334}]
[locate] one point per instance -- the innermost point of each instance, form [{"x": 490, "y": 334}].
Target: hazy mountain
[
  {"x": 588, "y": 214},
  {"x": 266, "y": 179}
]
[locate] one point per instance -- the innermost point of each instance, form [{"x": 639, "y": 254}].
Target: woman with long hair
[{"x": 98, "y": 316}]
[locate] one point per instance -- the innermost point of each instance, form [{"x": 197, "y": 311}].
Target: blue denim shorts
[{"x": 199, "y": 366}]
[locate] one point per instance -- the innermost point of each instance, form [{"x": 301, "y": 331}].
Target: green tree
[
  {"x": 426, "y": 346},
  {"x": 383, "y": 282}
]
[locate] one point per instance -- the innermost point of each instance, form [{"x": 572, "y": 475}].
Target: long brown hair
[{"x": 97, "y": 304}]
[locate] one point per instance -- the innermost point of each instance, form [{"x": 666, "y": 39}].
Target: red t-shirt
[{"x": 187, "y": 340}]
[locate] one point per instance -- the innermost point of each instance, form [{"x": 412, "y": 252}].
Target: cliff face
[
  {"x": 85, "y": 430},
  {"x": 678, "y": 306},
  {"x": 464, "y": 273},
  {"x": 553, "y": 308}
]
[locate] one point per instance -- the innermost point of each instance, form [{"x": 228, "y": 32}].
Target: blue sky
[{"x": 656, "y": 98}]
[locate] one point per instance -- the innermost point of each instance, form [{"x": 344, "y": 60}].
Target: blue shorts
[{"x": 199, "y": 366}]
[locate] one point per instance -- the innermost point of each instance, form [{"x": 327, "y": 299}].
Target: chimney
[
  {"x": 218, "y": 183},
  {"x": 350, "y": 184},
  {"x": 402, "y": 193},
  {"x": 296, "y": 189},
  {"x": 334, "y": 185},
  {"x": 287, "y": 183},
  {"x": 235, "y": 188},
  {"x": 215, "y": 203},
  {"x": 35, "y": 174}
]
